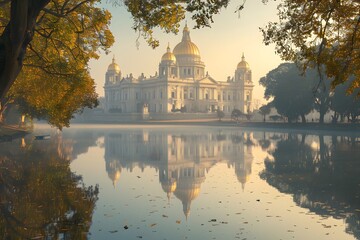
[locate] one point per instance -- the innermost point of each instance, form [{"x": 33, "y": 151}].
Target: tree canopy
[
  {"x": 54, "y": 80},
  {"x": 265, "y": 110},
  {"x": 319, "y": 33},
  {"x": 292, "y": 93},
  {"x": 296, "y": 95},
  {"x": 345, "y": 105}
]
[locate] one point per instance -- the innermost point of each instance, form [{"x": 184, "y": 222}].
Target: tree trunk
[
  {"x": 322, "y": 148},
  {"x": 303, "y": 119},
  {"x": 321, "y": 119},
  {"x": 3, "y": 107},
  {"x": 303, "y": 137},
  {"x": 335, "y": 117},
  {"x": 15, "y": 38},
  {"x": 1, "y": 116}
]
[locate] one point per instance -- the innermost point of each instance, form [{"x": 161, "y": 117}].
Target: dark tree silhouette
[{"x": 292, "y": 93}]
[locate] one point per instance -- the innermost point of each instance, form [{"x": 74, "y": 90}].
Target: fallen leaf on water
[{"x": 38, "y": 237}]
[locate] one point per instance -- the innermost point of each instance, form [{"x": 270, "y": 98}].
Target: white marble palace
[{"x": 182, "y": 84}]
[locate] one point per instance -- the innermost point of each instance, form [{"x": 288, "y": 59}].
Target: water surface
[{"x": 169, "y": 182}]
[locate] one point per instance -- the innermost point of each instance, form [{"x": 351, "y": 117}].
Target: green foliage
[
  {"x": 292, "y": 93},
  {"x": 322, "y": 94},
  {"x": 265, "y": 110},
  {"x": 344, "y": 104},
  {"x": 319, "y": 33},
  {"x": 220, "y": 114},
  {"x": 236, "y": 114}
]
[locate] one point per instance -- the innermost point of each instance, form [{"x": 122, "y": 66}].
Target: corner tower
[
  {"x": 167, "y": 66},
  {"x": 113, "y": 73},
  {"x": 243, "y": 78}
]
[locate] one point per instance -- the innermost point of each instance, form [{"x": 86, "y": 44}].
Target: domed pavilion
[{"x": 180, "y": 84}]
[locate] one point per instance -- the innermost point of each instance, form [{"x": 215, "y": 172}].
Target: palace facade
[{"x": 181, "y": 84}]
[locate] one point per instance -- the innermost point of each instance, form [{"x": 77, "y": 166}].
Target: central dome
[{"x": 186, "y": 46}]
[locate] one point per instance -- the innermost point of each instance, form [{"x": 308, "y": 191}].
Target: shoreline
[
  {"x": 256, "y": 126},
  {"x": 10, "y": 132}
]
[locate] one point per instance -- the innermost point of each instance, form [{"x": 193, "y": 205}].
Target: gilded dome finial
[
  {"x": 113, "y": 59},
  {"x": 243, "y": 57},
  {"x": 186, "y": 33},
  {"x": 168, "y": 48}
]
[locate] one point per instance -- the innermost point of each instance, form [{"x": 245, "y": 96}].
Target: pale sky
[{"x": 221, "y": 46}]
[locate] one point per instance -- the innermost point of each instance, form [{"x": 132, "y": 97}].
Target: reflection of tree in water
[
  {"x": 326, "y": 180},
  {"x": 291, "y": 155},
  {"x": 80, "y": 140},
  {"x": 237, "y": 138},
  {"x": 40, "y": 196},
  {"x": 264, "y": 142}
]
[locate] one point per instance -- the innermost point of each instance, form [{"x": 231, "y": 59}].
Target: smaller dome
[
  {"x": 169, "y": 187},
  {"x": 168, "y": 56},
  {"x": 243, "y": 63},
  {"x": 114, "y": 175},
  {"x": 113, "y": 66}
]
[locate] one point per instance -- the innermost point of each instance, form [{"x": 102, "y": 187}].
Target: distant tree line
[{"x": 295, "y": 95}]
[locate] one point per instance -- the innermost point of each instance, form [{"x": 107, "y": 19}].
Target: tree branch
[
  {"x": 63, "y": 12},
  {"x": 4, "y": 2}
]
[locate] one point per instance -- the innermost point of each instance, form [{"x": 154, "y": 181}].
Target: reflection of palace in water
[{"x": 182, "y": 159}]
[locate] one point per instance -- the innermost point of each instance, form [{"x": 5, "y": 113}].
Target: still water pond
[{"x": 180, "y": 183}]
